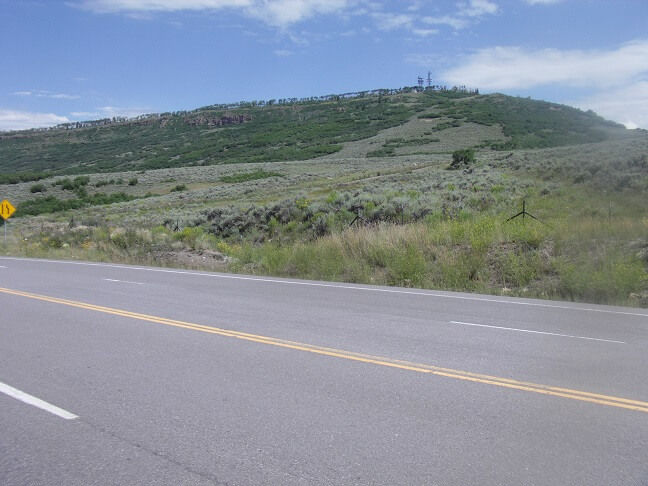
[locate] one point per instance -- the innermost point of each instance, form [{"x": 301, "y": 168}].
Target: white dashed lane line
[
  {"x": 537, "y": 332},
  {"x": 36, "y": 402},
  {"x": 124, "y": 281}
]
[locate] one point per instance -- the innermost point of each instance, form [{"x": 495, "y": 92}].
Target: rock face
[{"x": 213, "y": 121}]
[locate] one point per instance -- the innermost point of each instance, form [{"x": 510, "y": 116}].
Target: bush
[
  {"x": 382, "y": 152},
  {"x": 68, "y": 184},
  {"x": 249, "y": 176},
  {"x": 52, "y": 204},
  {"x": 37, "y": 188},
  {"x": 18, "y": 177},
  {"x": 133, "y": 181},
  {"x": 462, "y": 158}
]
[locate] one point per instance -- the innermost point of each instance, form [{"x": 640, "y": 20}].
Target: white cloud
[
  {"x": 391, "y": 21},
  {"x": 85, "y": 114},
  {"x": 63, "y": 96},
  {"x": 454, "y": 22},
  {"x": 284, "y": 13},
  {"x": 415, "y": 6},
  {"x": 278, "y": 13},
  {"x": 477, "y": 8},
  {"x": 467, "y": 13},
  {"x": 281, "y": 13},
  {"x": 301, "y": 39},
  {"x": 512, "y": 67},
  {"x": 47, "y": 94},
  {"x": 111, "y": 111},
  {"x": 542, "y": 2},
  {"x": 424, "y": 32},
  {"x": 627, "y": 105},
  {"x": 115, "y": 6},
  {"x": 22, "y": 120},
  {"x": 283, "y": 53},
  {"x": 619, "y": 77}
]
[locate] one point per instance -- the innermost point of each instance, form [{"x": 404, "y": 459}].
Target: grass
[
  {"x": 481, "y": 254},
  {"x": 579, "y": 257},
  {"x": 422, "y": 225}
]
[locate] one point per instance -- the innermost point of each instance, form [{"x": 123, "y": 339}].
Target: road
[{"x": 183, "y": 377}]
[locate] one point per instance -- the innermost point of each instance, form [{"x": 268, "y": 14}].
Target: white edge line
[
  {"x": 538, "y": 332},
  {"x": 36, "y": 402},
  {"x": 346, "y": 287},
  {"x": 123, "y": 281}
]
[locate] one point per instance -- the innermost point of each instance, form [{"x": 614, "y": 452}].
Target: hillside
[
  {"x": 358, "y": 187},
  {"x": 288, "y": 130}
]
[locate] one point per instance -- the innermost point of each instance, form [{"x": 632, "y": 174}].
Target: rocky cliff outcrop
[{"x": 214, "y": 121}]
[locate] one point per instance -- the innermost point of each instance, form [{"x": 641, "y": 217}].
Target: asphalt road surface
[{"x": 111, "y": 374}]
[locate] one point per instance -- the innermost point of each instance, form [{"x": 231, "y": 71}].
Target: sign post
[{"x": 6, "y": 210}]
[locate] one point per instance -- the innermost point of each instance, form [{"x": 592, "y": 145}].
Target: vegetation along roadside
[{"x": 397, "y": 187}]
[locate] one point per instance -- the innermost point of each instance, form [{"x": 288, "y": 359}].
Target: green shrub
[
  {"x": 249, "y": 176},
  {"x": 37, "y": 188},
  {"x": 382, "y": 152},
  {"x": 462, "y": 158},
  {"x": 68, "y": 184},
  {"x": 17, "y": 177},
  {"x": 51, "y": 204}
]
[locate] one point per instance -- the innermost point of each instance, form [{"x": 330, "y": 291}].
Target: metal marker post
[{"x": 524, "y": 213}]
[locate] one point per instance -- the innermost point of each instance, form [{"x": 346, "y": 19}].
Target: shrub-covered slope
[
  {"x": 280, "y": 131},
  {"x": 414, "y": 189}
]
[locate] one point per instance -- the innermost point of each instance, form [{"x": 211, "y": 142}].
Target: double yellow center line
[{"x": 363, "y": 358}]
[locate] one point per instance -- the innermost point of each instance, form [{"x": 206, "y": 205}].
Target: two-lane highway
[{"x": 183, "y": 377}]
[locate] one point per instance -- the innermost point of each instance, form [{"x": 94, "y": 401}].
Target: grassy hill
[
  {"x": 297, "y": 130},
  {"x": 349, "y": 187}
]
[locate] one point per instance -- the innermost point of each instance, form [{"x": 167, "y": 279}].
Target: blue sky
[{"x": 87, "y": 59}]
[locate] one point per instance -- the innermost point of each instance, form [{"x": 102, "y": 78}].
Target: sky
[{"x": 87, "y": 59}]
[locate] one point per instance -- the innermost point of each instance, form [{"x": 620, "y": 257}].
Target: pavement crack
[{"x": 159, "y": 454}]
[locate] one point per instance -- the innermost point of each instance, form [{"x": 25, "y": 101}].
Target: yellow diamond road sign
[{"x": 6, "y": 209}]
